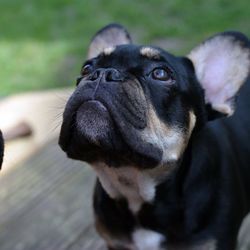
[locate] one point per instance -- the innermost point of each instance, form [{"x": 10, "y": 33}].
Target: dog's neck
[{"x": 137, "y": 186}]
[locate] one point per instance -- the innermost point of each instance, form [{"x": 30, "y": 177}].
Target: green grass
[{"x": 44, "y": 42}]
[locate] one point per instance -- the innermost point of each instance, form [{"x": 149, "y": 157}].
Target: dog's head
[
  {"x": 1, "y": 149},
  {"x": 139, "y": 105}
]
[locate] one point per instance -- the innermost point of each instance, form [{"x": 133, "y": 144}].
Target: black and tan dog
[{"x": 167, "y": 139}]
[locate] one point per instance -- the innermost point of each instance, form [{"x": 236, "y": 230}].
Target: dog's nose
[{"x": 107, "y": 75}]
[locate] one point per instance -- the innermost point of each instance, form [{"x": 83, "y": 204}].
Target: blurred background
[
  {"x": 46, "y": 198},
  {"x": 43, "y": 42}
]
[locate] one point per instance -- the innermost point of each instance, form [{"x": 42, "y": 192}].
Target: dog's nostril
[
  {"x": 113, "y": 75},
  {"x": 107, "y": 75},
  {"x": 95, "y": 75}
]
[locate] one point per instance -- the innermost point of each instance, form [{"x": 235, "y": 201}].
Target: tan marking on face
[
  {"x": 149, "y": 52},
  {"x": 108, "y": 51},
  {"x": 192, "y": 122},
  {"x": 171, "y": 140}
]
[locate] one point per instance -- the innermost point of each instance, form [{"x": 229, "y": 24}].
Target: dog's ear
[
  {"x": 109, "y": 36},
  {"x": 1, "y": 149},
  {"x": 222, "y": 65}
]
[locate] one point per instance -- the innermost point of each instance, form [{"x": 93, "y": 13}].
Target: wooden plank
[
  {"x": 87, "y": 240},
  {"x": 46, "y": 203}
]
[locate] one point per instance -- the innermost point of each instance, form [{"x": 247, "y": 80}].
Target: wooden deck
[{"x": 45, "y": 204}]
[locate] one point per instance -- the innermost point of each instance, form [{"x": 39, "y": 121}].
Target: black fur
[{"x": 207, "y": 195}]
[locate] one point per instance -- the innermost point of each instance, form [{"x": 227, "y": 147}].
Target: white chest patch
[
  {"x": 136, "y": 186},
  {"x": 141, "y": 239},
  {"x": 147, "y": 240}
]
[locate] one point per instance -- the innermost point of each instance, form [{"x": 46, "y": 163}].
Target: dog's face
[
  {"x": 132, "y": 102},
  {"x": 138, "y": 105},
  {"x": 1, "y": 149}
]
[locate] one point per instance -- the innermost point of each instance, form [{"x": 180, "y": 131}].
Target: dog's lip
[
  {"x": 100, "y": 104},
  {"x": 66, "y": 143}
]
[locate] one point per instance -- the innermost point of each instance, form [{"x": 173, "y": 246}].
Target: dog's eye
[
  {"x": 161, "y": 74},
  {"x": 86, "y": 70}
]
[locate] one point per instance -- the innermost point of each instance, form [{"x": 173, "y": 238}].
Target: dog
[
  {"x": 1, "y": 149},
  {"x": 168, "y": 138}
]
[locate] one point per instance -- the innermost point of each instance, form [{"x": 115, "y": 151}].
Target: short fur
[{"x": 173, "y": 171}]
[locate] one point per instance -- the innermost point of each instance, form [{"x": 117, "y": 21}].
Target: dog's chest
[
  {"x": 147, "y": 240},
  {"x": 136, "y": 186}
]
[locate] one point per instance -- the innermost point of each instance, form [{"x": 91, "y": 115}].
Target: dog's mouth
[{"x": 109, "y": 131}]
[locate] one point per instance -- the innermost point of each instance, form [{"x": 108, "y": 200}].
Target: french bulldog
[{"x": 168, "y": 138}]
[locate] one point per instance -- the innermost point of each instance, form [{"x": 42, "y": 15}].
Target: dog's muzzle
[{"x": 105, "y": 116}]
